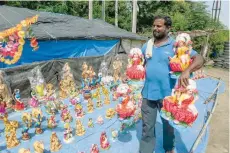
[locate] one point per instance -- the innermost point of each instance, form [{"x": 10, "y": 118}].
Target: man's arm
[{"x": 198, "y": 62}]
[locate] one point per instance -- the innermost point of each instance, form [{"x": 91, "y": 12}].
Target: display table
[{"x": 126, "y": 142}]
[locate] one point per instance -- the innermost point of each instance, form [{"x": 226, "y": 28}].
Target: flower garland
[{"x": 12, "y": 40}]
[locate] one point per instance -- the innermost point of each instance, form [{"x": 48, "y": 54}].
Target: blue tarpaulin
[
  {"x": 61, "y": 49},
  {"x": 126, "y": 143}
]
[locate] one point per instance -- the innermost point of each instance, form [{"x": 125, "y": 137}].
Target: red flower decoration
[{"x": 175, "y": 67}]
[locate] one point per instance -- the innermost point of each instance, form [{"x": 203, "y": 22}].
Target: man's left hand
[{"x": 183, "y": 79}]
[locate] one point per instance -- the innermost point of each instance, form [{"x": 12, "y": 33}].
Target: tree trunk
[
  {"x": 103, "y": 10},
  {"x": 90, "y": 9},
  {"x": 116, "y": 13},
  {"x": 134, "y": 20}
]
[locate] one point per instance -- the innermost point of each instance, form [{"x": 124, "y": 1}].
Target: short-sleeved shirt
[{"x": 158, "y": 83}]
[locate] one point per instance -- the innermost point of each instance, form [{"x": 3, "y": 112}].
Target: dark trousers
[{"x": 149, "y": 114}]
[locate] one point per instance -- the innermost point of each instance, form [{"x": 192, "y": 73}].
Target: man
[{"x": 158, "y": 83}]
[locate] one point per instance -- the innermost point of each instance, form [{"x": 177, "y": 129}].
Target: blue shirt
[{"x": 158, "y": 83}]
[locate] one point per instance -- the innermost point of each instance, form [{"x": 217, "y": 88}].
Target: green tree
[{"x": 186, "y": 16}]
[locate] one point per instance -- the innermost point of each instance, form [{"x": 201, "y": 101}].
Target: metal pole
[
  {"x": 206, "y": 123},
  {"x": 213, "y": 8},
  {"x": 134, "y": 20},
  {"x": 219, "y": 11},
  {"x": 90, "y": 9},
  {"x": 215, "y": 17},
  {"x": 116, "y": 13},
  {"x": 103, "y": 10}
]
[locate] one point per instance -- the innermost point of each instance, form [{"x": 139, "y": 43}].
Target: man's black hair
[{"x": 167, "y": 19}]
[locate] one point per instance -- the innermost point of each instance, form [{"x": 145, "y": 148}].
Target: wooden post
[
  {"x": 116, "y": 13},
  {"x": 103, "y": 10},
  {"x": 90, "y": 9},
  {"x": 134, "y": 20},
  {"x": 205, "y": 48}
]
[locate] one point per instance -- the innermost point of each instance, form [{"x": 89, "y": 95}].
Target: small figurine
[
  {"x": 99, "y": 103},
  {"x": 74, "y": 96},
  {"x": 105, "y": 91},
  {"x": 68, "y": 134},
  {"x": 117, "y": 65},
  {"x": 94, "y": 149},
  {"x": 87, "y": 91},
  {"x": 104, "y": 141},
  {"x": 110, "y": 113},
  {"x": 80, "y": 130},
  {"x": 33, "y": 101},
  {"x": 100, "y": 120},
  {"x": 90, "y": 105},
  {"x": 2, "y": 108},
  {"x": 25, "y": 133},
  {"x": 114, "y": 134},
  {"x": 37, "y": 114},
  {"x": 63, "y": 91},
  {"x": 90, "y": 123},
  {"x": 5, "y": 92},
  {"x": 23, "y": 150},
  {"x": 126, "y": 109},
  {"x": 107, "y": 100},
  {"x": 9, "y": 125},
  {"x": 51, "y": 122},
  {"x": 51, "y": 107},
  {"x": 96, "y": 93},
  {"x": 73, "y": 91},
  {"x": 79, "y": 111},
  {"x": 55, "y": 144},
  {"x": 19, "y": 105},
  {"x": 27, "y": 118},
  {"x": 65, "y": 115},
  {"x": 84, "y": 70},
  {"x": 40, "y": 86},
  {"x": 11, "y": 139},
  {"x": 67, "y": 84},
  {"x": 38, "y": 147},
  {"x": 50, "y": 92}
]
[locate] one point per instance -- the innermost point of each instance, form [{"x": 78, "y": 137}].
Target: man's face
[{"x": 159, "y": 29}]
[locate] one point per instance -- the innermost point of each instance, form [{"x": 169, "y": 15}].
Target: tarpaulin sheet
[
  {"x": 61, "y": 49},
  {"x": 55, "y": 26},
  {"x": 126, "y": 143}
]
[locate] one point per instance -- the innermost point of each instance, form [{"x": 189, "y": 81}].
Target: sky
[{"x": 224, "y": 12}]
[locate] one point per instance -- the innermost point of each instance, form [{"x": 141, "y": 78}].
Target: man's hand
[{"x": 183, "y": 79}]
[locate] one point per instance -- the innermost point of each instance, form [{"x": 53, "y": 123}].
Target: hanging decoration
[{"x": 12, "y": 40}]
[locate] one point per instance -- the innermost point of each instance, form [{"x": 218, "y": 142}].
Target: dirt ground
[{"x": 219, "y": 125}]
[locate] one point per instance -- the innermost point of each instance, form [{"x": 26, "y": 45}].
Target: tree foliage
[{"x": 186, "y": 16}]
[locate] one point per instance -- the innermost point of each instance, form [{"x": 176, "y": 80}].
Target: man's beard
[{"x": 159, "y": 35}]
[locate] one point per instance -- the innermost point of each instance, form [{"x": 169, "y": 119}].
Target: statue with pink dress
[
  {"x": 2, "y": 108},
  {"x": 94, "y": 149},
  {"x": 33, "y": 102},
  {"x": 104, "y": 141}
]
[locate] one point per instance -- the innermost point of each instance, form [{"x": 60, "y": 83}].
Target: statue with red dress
[
  {"x": 135, "y": 69},
  {"x": 19, "y": 105},
  {"x": 104, "y": 141}
]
